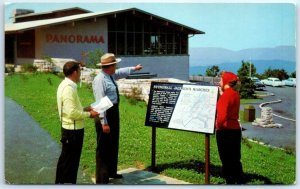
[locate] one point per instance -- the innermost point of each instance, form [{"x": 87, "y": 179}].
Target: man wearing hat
[
  {"x": 108, "y": 126},
  {"x": 228, "y": 130}
]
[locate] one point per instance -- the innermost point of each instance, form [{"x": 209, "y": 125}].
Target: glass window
[
  {"x": 138, "y": 25},
  {"x": 147, "y": 27},
  {"x": 120, "y": 23},
  {"x": 112, "y": 42},
  {"x": 162, "y": 44},
  {"x": 120, "y": 43},
  {"x": 143, "y": 37},
  {"x": 184, "y": 44},
  {"x": 177, "y": 44},
  {"x": 111, "y": 24},
  {"x": 130, "y": 24},
  {"x": 154, "y": 44},
  {"x": 147, "y": 44},
  {"x": 138, "y": 44},
  {"x": 26, "y": 44},
  {"x": 130, "y": 43},
  {"x": 170, "y": 44}
]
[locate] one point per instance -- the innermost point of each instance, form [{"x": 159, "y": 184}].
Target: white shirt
[{"x": 72, "y": 110}]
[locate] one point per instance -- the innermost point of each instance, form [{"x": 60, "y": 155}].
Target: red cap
[{"x": 229, "y": 77}]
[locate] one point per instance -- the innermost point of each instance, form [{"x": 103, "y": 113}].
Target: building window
[
  {"x": 26, "y": 44},
  {"x": 131, "y": 35}
]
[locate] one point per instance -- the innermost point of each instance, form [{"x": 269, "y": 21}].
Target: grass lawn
[{"x": 179, "y": 154}]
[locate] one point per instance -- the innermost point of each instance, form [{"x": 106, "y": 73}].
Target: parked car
[
  {"x": 258, "y": 84},
  {"x": 272, "y": 81},
  {"x": 290, "y": 82}
]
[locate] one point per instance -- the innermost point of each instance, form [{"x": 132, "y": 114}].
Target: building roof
[
  {"x": 54, "y": 11},
  {"x": 23, "y": 26}
]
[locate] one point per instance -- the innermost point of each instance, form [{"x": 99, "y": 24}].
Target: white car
[
  {"x": 290, "y": 82},
  {"x": 272, "y": 81}
]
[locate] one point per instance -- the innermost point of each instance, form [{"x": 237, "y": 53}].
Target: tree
[
  {"x": 245, "y": 69},
  {"x": 278, "y": 73},
  {"x": 293, "y": 74},
  {"x": 93, "y": 57},
  {"x": 247, "y": 88},
  {"x": 212, "y": 71}
]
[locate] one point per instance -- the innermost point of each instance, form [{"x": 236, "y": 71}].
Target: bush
[
  {"x": 247, "y": 88},
  {"x": 134, "y": 96},
  {"x": 94, "y": 58},
  {"x": 9, "y": 68},
  {"x": 28, "y": 68}
]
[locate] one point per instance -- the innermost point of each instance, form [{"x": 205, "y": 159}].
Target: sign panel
[{"x": 182, "y": 106}]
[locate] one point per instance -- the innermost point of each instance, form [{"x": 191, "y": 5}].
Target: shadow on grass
[{"x": 215, "y": 171}]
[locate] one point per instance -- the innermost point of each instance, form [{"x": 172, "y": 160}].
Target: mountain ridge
[
  {"x": 203, "y": 56},
  {"x": 280, "y": 57}
]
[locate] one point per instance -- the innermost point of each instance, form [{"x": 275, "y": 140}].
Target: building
[{"x": 134, "y": 35}]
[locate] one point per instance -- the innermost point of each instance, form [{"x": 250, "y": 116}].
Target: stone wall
[
  {"x": 126, "y": 86},
  {"x": 43, "y": 65}
]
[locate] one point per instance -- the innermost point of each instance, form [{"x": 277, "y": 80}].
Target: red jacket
[{"x": 228, "y": 107}]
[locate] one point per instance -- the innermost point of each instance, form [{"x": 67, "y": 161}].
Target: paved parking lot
[{"x": 284, "y": 137}]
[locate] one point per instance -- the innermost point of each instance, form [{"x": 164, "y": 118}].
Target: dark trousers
[
  {"x": 68, "y": 162},
  {"x": 229, "y": 147},
  {"x": 107, "y": 147}
]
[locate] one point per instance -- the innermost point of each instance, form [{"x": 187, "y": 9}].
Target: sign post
[
  {"x": 153, "y": 149},
  {"x": 207, "y": 159},
  {"x": 185, "y": 107}
]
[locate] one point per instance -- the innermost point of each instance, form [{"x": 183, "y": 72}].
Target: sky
[{"x": 233, "y": 26}]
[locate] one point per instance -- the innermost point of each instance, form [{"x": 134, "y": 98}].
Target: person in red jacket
[{"x": 228, "y": 129}]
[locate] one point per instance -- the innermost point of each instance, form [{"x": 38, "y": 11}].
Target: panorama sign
[{"x": 74, "y": 38}]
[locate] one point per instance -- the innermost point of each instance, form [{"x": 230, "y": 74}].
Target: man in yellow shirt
[{"x": 72, "y": 115}]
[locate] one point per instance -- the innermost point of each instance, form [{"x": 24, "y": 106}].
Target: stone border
[{"x": 272, "y": 102}]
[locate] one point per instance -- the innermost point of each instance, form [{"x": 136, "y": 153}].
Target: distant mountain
[
  {"x": 203, "y": 56},
  {"x": 281, "y": 57}
]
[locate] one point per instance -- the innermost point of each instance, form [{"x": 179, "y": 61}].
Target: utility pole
[{"x": 250, "y": 69}]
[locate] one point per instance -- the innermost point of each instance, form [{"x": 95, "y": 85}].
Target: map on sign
[
  {"x": 195, "y": 109},
  {"x": 182, "y": 106}
]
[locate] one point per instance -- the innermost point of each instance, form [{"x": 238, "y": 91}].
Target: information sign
[{"x": 179, "y": 106}]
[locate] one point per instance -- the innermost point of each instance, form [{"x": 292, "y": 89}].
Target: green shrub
[
  {"x": 134, "y": 96},
  {"x": 9, "y": 68},
  {"x": 29, "y": 68},
  {"x": 94, "y": 58}
]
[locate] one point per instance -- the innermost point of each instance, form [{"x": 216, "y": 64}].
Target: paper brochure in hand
[{"x": 102, "y": 105}]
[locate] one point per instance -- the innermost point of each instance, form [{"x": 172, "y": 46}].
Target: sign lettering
[{"x": 62, "y": 38}]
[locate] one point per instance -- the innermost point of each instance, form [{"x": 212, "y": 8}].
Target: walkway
[{"x": 30, "y": 152}]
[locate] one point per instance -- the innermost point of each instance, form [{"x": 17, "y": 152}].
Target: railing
[{"x": 145, "y": 75}]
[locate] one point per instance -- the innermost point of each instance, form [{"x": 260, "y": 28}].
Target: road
[
  {"x": 288, "y": 96},
  {"x": 284, "y": 137}
]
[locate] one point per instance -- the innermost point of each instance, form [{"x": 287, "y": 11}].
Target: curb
[{"x": 273, "y": 102}]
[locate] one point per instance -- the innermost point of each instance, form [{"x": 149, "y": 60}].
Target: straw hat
[{"x": 108, "y": 59}]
